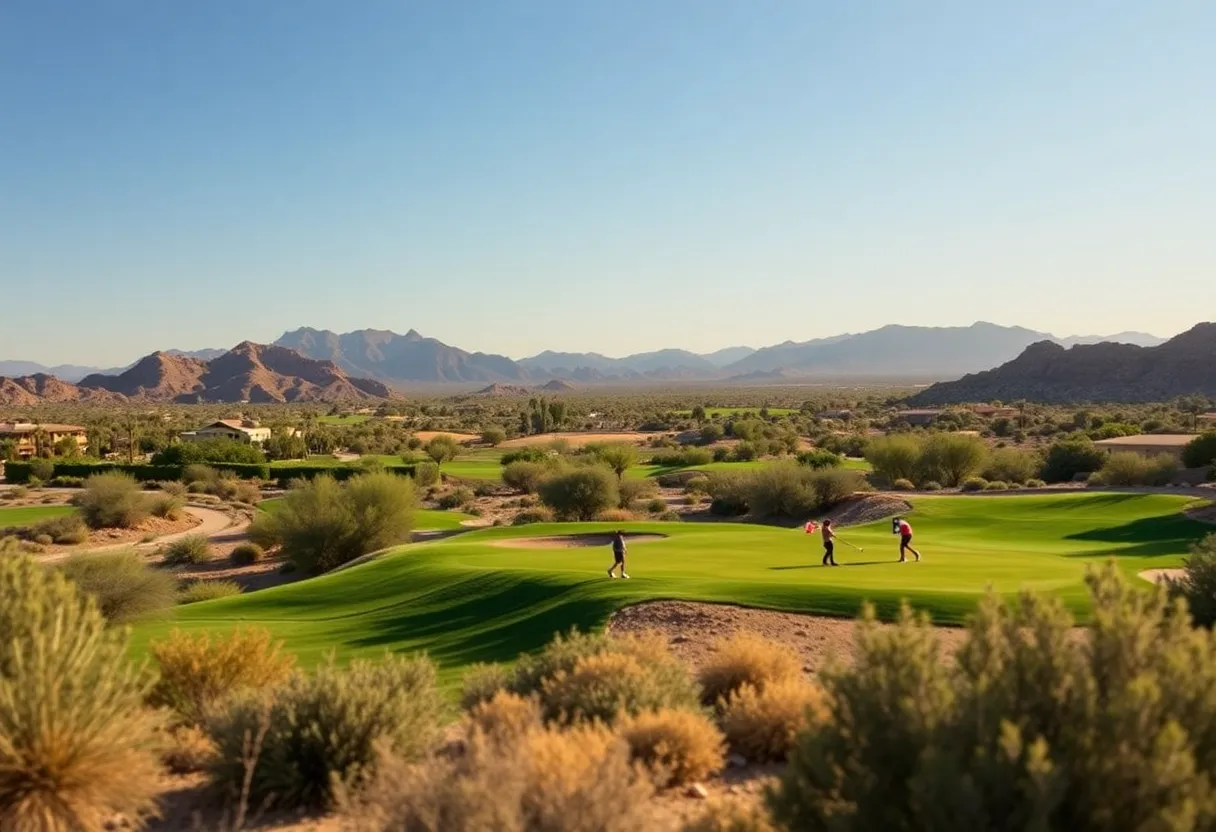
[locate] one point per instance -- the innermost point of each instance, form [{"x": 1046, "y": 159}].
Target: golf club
[{"x": 850, "y": 545}]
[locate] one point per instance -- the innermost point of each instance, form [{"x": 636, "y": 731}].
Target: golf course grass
[
  {"x": 468, "y": 598},
  {"x": 28, "y": 515}
]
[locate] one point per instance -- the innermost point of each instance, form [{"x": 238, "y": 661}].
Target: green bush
[
  {"x": 112, "y": 500},
  {"x": 1034, "y": 482},
  {"x": 321, "y": 731},
  {"x": 1197, "y": 583},
  {"x": 426, "y": 474},
  {"x": 581, "y": 493},
  {"x": 729, "y": 493},
  {"x": 634, "y": 491},
  {"x": 528, "y": 453},
  {"x": 682, "y": 458},
  {"x": 173, "y": 488},
  {"x": 67, "y": 530},
  {"x": 246, "y": 554},
  {"x": 1034, "y": 726},
  {"x": 66, "y": 482},
  {"x": 656, "y": 506},
  {"x": 903, "y": 485},
  {"x": 619, "y": 457},
  {"x": 165, "y": 506},
  {"x": 974, "y": 484},
  {"x": 532, "y": 515},
  {"x": 76, "y": 744},
  {"x": 819, "y": 458},
  {"x": 191, "y": 549},
  {"x": 950, "y": 458},
  {"x": 199, "y": 473},
  {"x": 209, "y": 450},
  {"x": 1010, "y": 465},
  {"x": 323, "y": 524},
  {"x": 895, "y": 457},
  {"x": 493, "y": 436},
  {"x": 1200, "y": 451},
  {"x": 931, "y": 485},
  {"x": 1069, "y": 458},
  {"x": 42, "y": 469},
  {"x": 124, "y": 587},
  {"x": 208, "y": 591},
  {"x": 524, "y": 476},
  {"x": 481, "y": 682},
  {"x": 1127, "y": 468},
  {"x": 996, "y": 485}
]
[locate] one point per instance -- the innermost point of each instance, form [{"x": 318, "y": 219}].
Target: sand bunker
[
  {"x": 573, "y": 541},
  {"x": 1156, "y": 576}
]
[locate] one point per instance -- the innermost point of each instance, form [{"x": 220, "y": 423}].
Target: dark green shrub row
[
  {"x": 20, "y": 472},
  {"x": 285, "y": 474}
]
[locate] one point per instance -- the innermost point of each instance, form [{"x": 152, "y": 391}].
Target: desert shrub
[
  {"x": 426, "y": 474},
  {"x": 1200, "y": 451},
  {"x": 721, "y": 453},
  {"x": 903, "y": 485},
  {"x": 41, "y": 469},
  {"x": 455, "y": 498},
  {"x": 895, "y": 457},
  {"x": 683, "y": 458},
  {"x": 320, "y": 731},
  {"x": 950, "y": 458},
  {"x": 166, "y": 506},
  {"x": 209, "y": 450},
  {"x": 187, "y": 749},
  {"x": 173, "y": 488},
  {"x": 632, "y": 491},
  {"x": 524, "y": 476},
  {"x": 549, "y": 780},
  {"x": 532, "y": 515},
  {"x": 614, "y": 515},
  {"x": 493, "y": 436},
  {"x": 1197, "y": 584},
  {"x": 324, "y": 524},
  {"x": 596, "y": 676},
  {"x": 66, "y": 530},
  {"x": 1069, "y": 457},
  {"x": 481, "y": 682},
  {"x": 197, "y": 591},
  {"x": 193, "y": 548},
  {"x": 762, "y": 725},
  {"x": 112, "y": 500},
  {"x": 198, "y": 671},
  {"x": 997, "y": 485},
  {"x": 619, "y": 457},
  {"x": 581, "y": 493},
  {"x": 43, "y": 539},
  {"x": 20, "y": 492},
  {"x": 784, "y": 489},
  {"x": 506, "y": 716},
  {"x": 656, "y": 506},
  {"x": 124, "y": 587},
  {"x": 697, "y": 485},
  {"x": 1010, "y": 465},
  {"x": 931, "y": 485},
  {"x": 196, "y": 488},
  {"x": 745, "y": 659},
  {"x": 1034, "y": 482},
  {"x": 199, "y": 473},
  {"x": 729, "y": 493},
  {"x": 835, "y": 485},
  {"x": 528, "y": 453},
  {"x": 76, "y": 745},
  {"x": 246, "y": 492},
  {"x": 670, "y": 517},
  {"x": 1109, "y": 728},
  {"x": 1129, "y": 468},
  {"x": 974, "y": 484},
  {"x": 247, "y": 553},
  {"x": 66, "y": 482},
  {"x": 677, "y": 746},
  {"x": 818, "y": 458},
  {"x": 732, "y": 816}
]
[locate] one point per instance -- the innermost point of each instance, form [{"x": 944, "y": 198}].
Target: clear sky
[{"x": 599, "y": 175}]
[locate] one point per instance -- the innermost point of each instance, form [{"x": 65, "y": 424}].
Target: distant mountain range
[
  {"x": 890, "y": 353},
  {"x": 248, "y": 372},
  {"x": 1086, "y": 372}
]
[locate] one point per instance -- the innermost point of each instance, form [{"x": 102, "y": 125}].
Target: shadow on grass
[{"x": 1147, "y": 537}]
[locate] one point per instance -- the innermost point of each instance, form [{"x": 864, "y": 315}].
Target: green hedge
[
  {"x": 19, "y": 472},
  {"x": 284, "y": 474}
]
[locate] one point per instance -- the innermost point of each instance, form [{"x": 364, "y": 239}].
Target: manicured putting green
[
  {"x": 468, "y": 598},
  {"x": 28, "y": 515}
]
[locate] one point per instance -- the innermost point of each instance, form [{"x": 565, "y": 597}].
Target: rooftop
[{"x": 1144, "y": 440}]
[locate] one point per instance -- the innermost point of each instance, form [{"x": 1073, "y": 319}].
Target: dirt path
[{"x": 216, "y": 526}]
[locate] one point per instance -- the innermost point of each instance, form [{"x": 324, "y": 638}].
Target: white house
[{"x": 238, "y": 430}]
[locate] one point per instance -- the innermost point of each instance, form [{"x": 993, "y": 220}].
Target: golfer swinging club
[
  {"x": 901, "y": 527},
  {"x": 829, "y": 544},
  {"x": 618, "y": 555}
]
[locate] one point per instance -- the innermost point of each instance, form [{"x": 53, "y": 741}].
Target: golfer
[
  {"x": 618, "y": 555},
  {"x": 905, "y": 539},
  {"x": 829, "y": 544}
]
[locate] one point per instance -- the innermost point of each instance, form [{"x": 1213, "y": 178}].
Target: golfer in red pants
[{"x": 905, "y": 539}]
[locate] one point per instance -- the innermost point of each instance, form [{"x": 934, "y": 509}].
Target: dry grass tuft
[
  {"x": 763, "y": 724},
  {"x": 197, "y": 671},
  {"x": 481, "y": 682},
  {"x": 187, "y": 750},
  {"x": 677, "y": 746},
  {"x": 507, "y": 716},
  {"x": 745, "y": 659},
  {"x": 732, "y": 816}
]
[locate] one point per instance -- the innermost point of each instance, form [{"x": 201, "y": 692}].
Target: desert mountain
[
  {"x": 897, "y": 351},
  {"x": 35, "y": 389},
  {"x": 728, "y": 355},
  {"x": 247, "y": 372},
  {"x": 1110, "y": 372},
  {"x": 74, "y": 372},
  {"x": 659, "y": 364},
  {"x": 387, "y": 356}
]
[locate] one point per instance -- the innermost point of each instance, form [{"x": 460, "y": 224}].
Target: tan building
[
  {"x": 31, "y": 438},
  {"x": 1149, "y": 444},
  {"x": 238, "y": 430}
]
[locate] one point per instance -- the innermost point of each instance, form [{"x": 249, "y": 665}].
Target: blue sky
[{"x": 611, "y": 176}]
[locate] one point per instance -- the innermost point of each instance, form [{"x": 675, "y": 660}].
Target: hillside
[
  {"x": 247, "y": 372},
  {"x": 40, "y": 388},
  {"x": 1107, "y": 372},
  {"x": 658, "y": 364},
  {"x": 384, "y": 355}
]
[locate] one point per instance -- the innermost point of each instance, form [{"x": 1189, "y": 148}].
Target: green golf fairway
[
  {"x": 28, "y": 515},
  {"x": 468, "y": 598}
]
